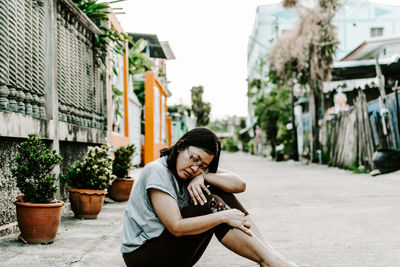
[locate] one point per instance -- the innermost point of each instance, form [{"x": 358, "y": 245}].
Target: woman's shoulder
[
  {"x": 156, "y": 173},
  {"x": 158, "y": 165}
]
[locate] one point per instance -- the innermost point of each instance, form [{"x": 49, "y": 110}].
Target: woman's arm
[
  {"x": 168, "y": 211},
  {"x": 225, "y": 180}
]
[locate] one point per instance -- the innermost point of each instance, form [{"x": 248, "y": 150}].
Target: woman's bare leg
[
  {"x": 252, "y": 248},
  {"x": 255, "y": 230}
]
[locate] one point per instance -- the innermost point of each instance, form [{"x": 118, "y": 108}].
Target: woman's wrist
[
  {"x": 223, "y": 218},
  {"x": 204, "y": 176}
]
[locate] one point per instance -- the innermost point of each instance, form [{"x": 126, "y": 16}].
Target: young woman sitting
[{"x": 180, "y": 200}]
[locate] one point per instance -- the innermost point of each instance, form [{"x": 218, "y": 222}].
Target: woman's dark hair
[{"x": 200, "y": 137}]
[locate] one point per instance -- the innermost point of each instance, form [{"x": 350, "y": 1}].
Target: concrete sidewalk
[
  {"x": 78, "y": 243},
  {"x": 310, "y": 213}
]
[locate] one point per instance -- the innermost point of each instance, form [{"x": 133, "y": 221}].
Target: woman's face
[{"x": 191, "y": 161}]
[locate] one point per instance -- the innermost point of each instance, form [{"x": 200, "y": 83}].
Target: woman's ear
[{"x": 179, "y": 145}]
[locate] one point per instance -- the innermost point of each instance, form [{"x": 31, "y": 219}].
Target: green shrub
[
  {"x": 354, "y": 167},
  {"x": 228, "y": 144},
  {"x": 123, "y": 160},
  {"x": 33, "y": 171},
  {"x": 95, "y": 172}
]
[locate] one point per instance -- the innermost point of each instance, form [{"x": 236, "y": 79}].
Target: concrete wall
[
  {"x": 8, "y": 184},
  {"x": 71, "y": 153},
  {"x": 56, "y": 94},
  {"x": 8, "y": 189}
]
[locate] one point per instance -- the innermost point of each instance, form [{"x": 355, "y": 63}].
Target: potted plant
[
  {"x": 88, "y": 180},
  {"x": 38, "y": 213},
  {"x": 120, "y": 189}
]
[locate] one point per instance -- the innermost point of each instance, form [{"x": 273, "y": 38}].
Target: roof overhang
[
  {"x": 167, "y": 50},
  {"x": 365, "y": 62},
  {"x": 154, "y": 45},
  {"x": 350, "y": 85},
  {"x": 363, "y": 69},
  {"x": 371, "y": 48}
]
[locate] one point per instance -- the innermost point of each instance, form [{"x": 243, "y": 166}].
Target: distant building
[{"x": 357, "y": 21}]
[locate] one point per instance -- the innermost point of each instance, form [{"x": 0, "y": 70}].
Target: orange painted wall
[
  {"x": 157, "y": 148},
  {"x": 169, "y": 129},
  {"x": 149, "y": 118},
  {"x": 152, "y": 147}
]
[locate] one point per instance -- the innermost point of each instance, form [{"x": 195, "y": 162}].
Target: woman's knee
[
  {"x": 215, "y": 203},
  {"x": 228, "y": 198}
]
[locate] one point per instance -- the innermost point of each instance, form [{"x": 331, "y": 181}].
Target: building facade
[{"x": 356, "y": 21}]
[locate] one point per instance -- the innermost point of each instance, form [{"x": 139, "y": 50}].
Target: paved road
[
  {"x": 318, "y": 215},
  {"x": 312, "y": 214}
]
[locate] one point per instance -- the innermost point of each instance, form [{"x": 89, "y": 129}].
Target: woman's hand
[
  {"x": 196, "y": 187},
  {"x": 236, "y": 219}
]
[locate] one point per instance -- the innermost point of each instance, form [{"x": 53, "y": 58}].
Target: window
[{"x": 376, "y": 32}]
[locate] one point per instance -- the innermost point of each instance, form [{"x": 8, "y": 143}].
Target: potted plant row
[
  {"x": 88, "y": 181},
  {"x": 120, "y": 189},
  {"x": 38, "y": 213}
]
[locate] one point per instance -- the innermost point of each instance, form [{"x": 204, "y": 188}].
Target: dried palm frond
[
  {"x": 309, "y": 46},
  {"x": 289, "y": 3}
]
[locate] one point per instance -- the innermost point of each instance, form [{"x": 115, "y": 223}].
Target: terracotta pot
[
  {"x": 120, "y": 189},
  {"x": 38, "y": 222},
  {"x": 86, "y": 203}
]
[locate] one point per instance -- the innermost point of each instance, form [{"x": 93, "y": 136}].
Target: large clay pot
[
  {"x": 38, "y": 222},
  {"x": 120, "y": 189},
  {"x": 86, "y": 203}
]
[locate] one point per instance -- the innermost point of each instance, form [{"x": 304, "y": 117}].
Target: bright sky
[{"x": 209, "y": 39}]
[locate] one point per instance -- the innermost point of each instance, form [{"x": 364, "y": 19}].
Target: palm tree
[{"x": 305, "y": 54}]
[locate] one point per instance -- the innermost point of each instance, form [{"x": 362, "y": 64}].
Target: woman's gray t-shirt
[{"x": 141, "y": 222}]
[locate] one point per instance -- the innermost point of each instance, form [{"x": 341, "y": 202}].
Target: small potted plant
[
  {"x": 88, "y": 181},
  {"x": 120, "y": 189},
  {"x": 38, "y": 213}
]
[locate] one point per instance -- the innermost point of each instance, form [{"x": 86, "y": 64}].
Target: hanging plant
[
  {"x": 110, "y": 38},
  {"x": 139, "y": 61},
  {"x": 117, "y": 101}
]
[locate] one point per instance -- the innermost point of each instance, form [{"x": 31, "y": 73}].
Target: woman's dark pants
[{"x": 168, "y": 250}]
